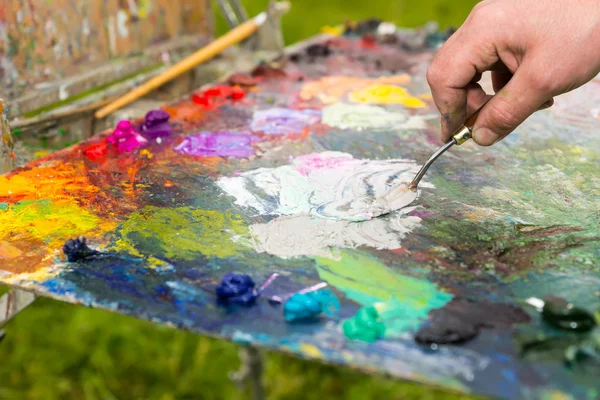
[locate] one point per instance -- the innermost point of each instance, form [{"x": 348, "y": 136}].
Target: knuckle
[
  {"x": 503, "y": 115},
  {"x": 433, "y": 74},
  {"x": 543, "y": 80}
]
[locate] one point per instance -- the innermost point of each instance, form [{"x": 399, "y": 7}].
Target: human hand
[{"x": 535, "y": 50}]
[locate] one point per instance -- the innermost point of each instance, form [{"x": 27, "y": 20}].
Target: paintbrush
[{"x": 232, "y": 37}]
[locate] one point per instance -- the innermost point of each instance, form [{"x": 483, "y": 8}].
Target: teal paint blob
[
  {"x": 366, "y": 326},
  {"x": 302, "y": 306}
]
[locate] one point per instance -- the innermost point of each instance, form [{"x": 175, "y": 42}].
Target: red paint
[
  {"x": 368, "y": 41},
  {"x": 96, "y": 152},
  {"x": 216, "y": 96}
]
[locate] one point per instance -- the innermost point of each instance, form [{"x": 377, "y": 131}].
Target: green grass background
[{"x": 60, "y": 351}]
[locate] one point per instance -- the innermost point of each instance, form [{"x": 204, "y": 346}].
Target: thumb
[{"x": 523, "y": 95}]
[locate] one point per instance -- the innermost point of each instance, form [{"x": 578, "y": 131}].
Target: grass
[{"x": 60, "y": 351}]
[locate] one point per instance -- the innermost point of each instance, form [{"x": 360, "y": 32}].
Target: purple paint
[
  {"x": 125, "y": 137},
  {"x": 283, "y": 121},
  {"x": 218, "y": 144},
  {"x": 156, "y": 125}
]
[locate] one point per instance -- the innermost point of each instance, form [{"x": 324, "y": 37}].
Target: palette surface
[{"x": 238, "y": 185}]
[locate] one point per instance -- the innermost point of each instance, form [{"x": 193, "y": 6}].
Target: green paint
[
  {"x": 182, "y": 233},
  {"x": 3, "y": 206},
  {"x": 401, "y": 301},
  {"x": 366, "y": 326}
]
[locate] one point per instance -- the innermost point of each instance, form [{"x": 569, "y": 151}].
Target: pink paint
[
  {"x": 125, "y": 137},
  {"x": 218, "y": 144},
  {"x": 313, "y": 162}
]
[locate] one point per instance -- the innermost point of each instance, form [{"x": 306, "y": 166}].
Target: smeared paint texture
[
  {"x": 461, "y": 320},
  {"x": 78, "y": 250},
  {"x": 366, "y": 325},
  {"x": 283, "y": 121},
  {"x": 386, "y": 94},
  {"x": 218, "y": 144},
  {"x": 402, "y": 302},
  {"x": 362, "y": 116},
  {"x": 182, "y": 233},
  {"x": 295, "y": 193}
]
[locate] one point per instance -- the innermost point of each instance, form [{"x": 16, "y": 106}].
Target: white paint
[
  {"x": 296, "y": 194},
  {"x": 303, "y": 235},
  {"x": 122, "y": 29},
  {"x": 364, "y": 116}
]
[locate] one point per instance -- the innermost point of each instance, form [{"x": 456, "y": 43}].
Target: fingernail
[{"x": 485, "y": 136}]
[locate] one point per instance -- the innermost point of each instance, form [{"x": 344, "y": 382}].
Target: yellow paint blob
[
  {"x": 386, "y": 94},
  {"x": 333, "y": 30}
]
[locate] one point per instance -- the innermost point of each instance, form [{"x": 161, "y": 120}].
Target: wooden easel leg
[{"x": 250, "y": 372}]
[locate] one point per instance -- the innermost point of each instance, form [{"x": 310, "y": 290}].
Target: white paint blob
[{"x": 295, "y": 193}]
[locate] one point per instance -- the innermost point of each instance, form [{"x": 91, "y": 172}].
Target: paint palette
[{"x": 434, "y": 292}]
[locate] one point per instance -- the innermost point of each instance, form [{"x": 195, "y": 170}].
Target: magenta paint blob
[
  {"x": 218, "y": 144},
  {"x": 284, "y": 121},
  {"x": 156, "y": 125},
  {"x": 125, "y": 138}
]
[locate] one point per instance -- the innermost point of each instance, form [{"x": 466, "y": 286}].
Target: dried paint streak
[
  {"x": 386, "y": 94},
  {"x": 218, "y": 144},
  {"x": 403, "y": 302},
  {"x": 331, "y": 89},
  {"x": 283, "y": 121},
  {"x": 183, "y": 233},
  {"x": 362, "y": 116}
]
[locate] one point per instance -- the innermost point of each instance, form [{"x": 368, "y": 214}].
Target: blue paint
[
  {"x": 237, "y": 289},
  {"x": 77, "y": 250},
  {"x": 310, "y": 305}
]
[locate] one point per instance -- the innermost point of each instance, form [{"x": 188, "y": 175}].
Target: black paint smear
[
  {"x": 266, "y": 71},
  {"x": 461, "y": 320},
  {"x": 77, "y": 250},
  {"x": 312, "y": 53}
]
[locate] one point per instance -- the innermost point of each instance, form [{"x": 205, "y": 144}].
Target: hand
[{"x": 535, "y": 49}]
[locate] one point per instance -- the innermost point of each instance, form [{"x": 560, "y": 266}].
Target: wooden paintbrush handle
[{"x": 232, "y": 37}]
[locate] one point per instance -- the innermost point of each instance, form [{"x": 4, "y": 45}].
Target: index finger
[{"x": 461, "y": 58}]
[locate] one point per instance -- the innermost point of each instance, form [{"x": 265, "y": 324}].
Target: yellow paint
[
  {"x": 333, "y": 30},
  {"x": 386, "y": 94},
  {"x": 41, "y": 153},
  {"x": 311, "y": 350},
  {"x": 146, "y": 153},
  {"x": 331, "y": 89},
  {"x": 50, "y": 222}
]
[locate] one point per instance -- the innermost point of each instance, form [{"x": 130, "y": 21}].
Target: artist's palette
[{"x": 237, "y": 185}]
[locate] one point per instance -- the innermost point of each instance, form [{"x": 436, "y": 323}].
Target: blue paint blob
[
  {"x": 237, "y": 289},
  {"x": 310, "y": 305},
  {"x": 77, "y": 250}
]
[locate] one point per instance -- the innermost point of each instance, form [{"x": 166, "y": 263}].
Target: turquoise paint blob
[
  {"x": 366, "y": 326},
  {"x": 302, "y": 306},
  {"x": 3, "y": 206}
]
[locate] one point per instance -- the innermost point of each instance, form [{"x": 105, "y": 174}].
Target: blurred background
[{"x": 59, "y": 351}]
